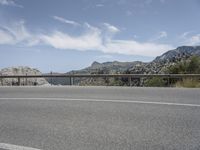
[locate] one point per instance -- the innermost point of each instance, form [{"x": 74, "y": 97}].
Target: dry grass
[{"x": 189, "y": 83}]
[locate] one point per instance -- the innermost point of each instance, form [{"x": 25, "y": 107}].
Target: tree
[
  {"x": 194, "y": 65},
  {"x": 188, "y": 66}
]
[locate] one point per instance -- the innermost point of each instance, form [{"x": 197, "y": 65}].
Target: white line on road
[
  {"x": 107, "y": 100},
  {"x": 15, "y": 147}
]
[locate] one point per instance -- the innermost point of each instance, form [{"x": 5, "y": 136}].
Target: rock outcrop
[
  {"x": 22, "y": 71},
  {"x": 161, "y": 63}
]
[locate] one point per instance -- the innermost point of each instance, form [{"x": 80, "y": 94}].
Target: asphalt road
[{"x": 100, "y": 118}]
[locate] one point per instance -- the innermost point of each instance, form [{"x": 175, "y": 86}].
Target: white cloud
[
  {"x": 66, "y": 21},
  {"x": 15, "y": 33},
  {"x": 99, "y": 5},
  {"x": 5, "y": 37},
  {"x": 10, "y": 3},
  {"x": 111, "y": 28},
  {"x": 92, "y": 39},
  {"x": 189, "y": 39},
  {"x": 132, "y": 47},
  {"x": 105, "y": 57},
  {"x": 91, "y": 28},
  {"x": 88, "y": 41},
  {"x": 185, "y": 34},
  {"x": 19, "y": 31},
  {"x": 160, "y": 35},
  {"x": 194, "y": 40},
  {"x": 129, "y": 13}
]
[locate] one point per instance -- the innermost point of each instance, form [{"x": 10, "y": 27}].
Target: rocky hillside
[
  {"x": 108, "y": 67},
  {"x": 22, "y": 71},
  {"x": 161, "y": 63},
  {"x": 180, "y": 52},
  {"x": 96, "y": 68},
  {"x": 158, "y": 66}
]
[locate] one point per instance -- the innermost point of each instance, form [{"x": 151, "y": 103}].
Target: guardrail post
[
  {"x": 2, "y": 81},
  {"x": 106, "y": 81},
  {"x": 141, "y": 81},
  {"x": 130, "y": 81},
  {"x": 168, "y": 81},
  {"x": 26, "y": 80},
  {"x": 19, "y": 83},
  {"x": 51, "y": 78},
  {"x": 70, "y": 81}
]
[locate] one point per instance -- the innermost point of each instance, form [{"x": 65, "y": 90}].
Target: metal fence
[{"x": 71, "y": 77}]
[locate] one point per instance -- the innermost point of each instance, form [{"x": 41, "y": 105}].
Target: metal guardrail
[
  {"x": 101, "y": 75},
  {"x": 129, "y": 76}
]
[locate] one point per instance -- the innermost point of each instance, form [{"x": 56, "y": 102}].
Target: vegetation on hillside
[
  {"x": 155, "y": 82},
  {"x": 190, "y": 65},
  {"x": 185, "y": 66}
]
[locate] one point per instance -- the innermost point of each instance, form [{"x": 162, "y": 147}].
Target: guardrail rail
[{"x": 128, "y": 76}]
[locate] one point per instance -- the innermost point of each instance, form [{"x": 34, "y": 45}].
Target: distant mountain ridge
[
  {"x": 116, "y": 67},
  {"x": 158, "y": 66},
  {"x": 182, "y": 51},
  {"x": 109, "y": 67}
]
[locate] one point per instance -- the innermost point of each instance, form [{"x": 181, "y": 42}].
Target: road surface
[{"x": 99, "y": 118}]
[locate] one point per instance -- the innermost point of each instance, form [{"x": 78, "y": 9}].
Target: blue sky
[{"x": 64, "y": 35}]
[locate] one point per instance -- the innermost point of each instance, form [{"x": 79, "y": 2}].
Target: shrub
[
  {"x": 189, "y": 66},
  {"x": 194, "y": 65},
  {"x": 155, "y": 82}
]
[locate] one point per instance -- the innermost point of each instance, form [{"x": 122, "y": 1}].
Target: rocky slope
[
  {"x": 22, "y": 71},
  {"x": 158, "y": 66},
  {"x": 96, "y": 68},
  {"x": 161, "y": 63},
  {"x": 180, "y": 52},
  {"x": 114, "y": 67},
  {"x": 108, "y": 67}
]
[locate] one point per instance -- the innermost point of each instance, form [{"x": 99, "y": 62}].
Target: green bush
[
  {"x": 194, "y": 65},
  {"x": 155, "y": 82},
  {"x": 189, "y": 66}
]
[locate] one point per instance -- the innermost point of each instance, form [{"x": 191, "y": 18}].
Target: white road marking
[
  {"x": 7, "y": 146},
  {"x": 106, "y": 100}
]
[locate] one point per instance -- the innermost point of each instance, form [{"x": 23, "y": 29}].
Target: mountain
[
  {"x": 161, "y": 63},
  {"x": 158, "y": 66},
  {"x": 180, "y": 52},
  {"x": 95, "y": 68},
  {"x": 21, "y": 70},
  {"x": 107, "y": 67}
]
